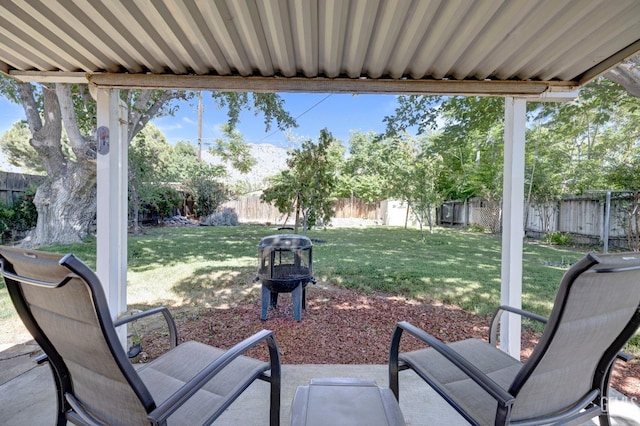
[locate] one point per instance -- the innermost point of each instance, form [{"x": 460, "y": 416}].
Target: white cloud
[{"x": 169, "y": 127}]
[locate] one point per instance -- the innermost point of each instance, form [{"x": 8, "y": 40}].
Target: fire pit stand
[{"x": 284, "y": 266}]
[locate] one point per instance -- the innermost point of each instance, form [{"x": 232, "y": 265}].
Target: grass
[
  {"x": 202, "y": 267},
  {"x": 187, "y": 265}
]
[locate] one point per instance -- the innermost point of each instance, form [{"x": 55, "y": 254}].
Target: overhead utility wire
[{"x": 299, "y": 115}]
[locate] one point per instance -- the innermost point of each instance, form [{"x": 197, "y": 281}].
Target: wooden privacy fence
[
  {"x": 250, "y": 209},
  {"x": 13, "y": 185},
  {"x": 590, "y": 219}
]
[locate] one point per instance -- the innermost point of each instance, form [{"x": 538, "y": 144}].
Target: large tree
[
  {"x": 66, "y": 201},
  {"x": 465, "y": 132},
  {"x": 363, "y": 172},
  {"x": 150, "y": 176},
  {"x": 413, "y": 169},
  {"x": 627, "y": 75},
  {"x": 307, "y": 187}
]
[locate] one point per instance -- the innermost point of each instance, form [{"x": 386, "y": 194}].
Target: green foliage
[
  {"x": 308, "y": 185},
  {"x": 474, "y": 227},
  {"x": 150, "y": 176},
  {"x": 466, "y": 132},
  {"x": 9, "y": 88},
  {"x": 633, "y": 345},
  {"x": 202, "y": 183},
  {"x": 599, "y": 131},
  {"x": 26, "y": 212},
  {"x": 155, "y": 165},
  {"x": 413, "y": 170},
  {"x": 7, "y": 216},
  {"x": 21, "y": 216},
  {"x": 234, "y": 149},
  {"x": 566, "y": 142},
  {"x": 558, "y": 238},
  {"x": 165, "y": 199},
  {"x": 54, "y": 156},
  {"x": 15, "y": 143},
  {"x": 271, "y": 105},
  {"x": 413, "y": 111},
  {"x": 362, "y": 173}
]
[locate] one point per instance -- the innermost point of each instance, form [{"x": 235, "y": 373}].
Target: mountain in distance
[{"x": 270, "y": 160}]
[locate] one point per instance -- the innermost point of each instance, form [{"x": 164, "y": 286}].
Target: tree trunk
[
  {"x": 627, "y": 74},
  {"x": 297, "y": 221},
  {"x": 66, "y": 208}
]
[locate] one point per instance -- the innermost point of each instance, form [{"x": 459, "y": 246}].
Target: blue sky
[
  {"x": 340, "y": 113},
  {"x": 9, "y": 114}
]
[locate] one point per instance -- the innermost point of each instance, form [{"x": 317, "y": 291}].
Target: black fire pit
[{"x": 285, "y": 266}]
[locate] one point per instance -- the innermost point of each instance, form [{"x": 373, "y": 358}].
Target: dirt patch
[{"x": 347, "y": 327}]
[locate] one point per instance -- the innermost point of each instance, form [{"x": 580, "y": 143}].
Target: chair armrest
[
  {"x": 495, "y": 320},
  {"x": 173, "y": 331},
  {"x": 171, "y": 404},
  {"x": 503, "y": 397}
]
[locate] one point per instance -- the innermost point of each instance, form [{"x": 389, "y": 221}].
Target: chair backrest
[
  {"x": 597, "y": 309},
  {"x": 62, "y": 304}
]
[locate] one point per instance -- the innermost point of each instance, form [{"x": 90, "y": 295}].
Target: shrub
[
  {"x": 474, "y": 227},
  {"x": 21, "y": 216},
  {"x": 166, "y": 200},
  {"x": 6, "y": 218},
  {"x": 558, "y": 238},
  {"x": 26, "y": 215}
]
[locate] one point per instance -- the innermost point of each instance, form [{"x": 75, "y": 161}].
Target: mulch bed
[{"x": 348, "y": 327}]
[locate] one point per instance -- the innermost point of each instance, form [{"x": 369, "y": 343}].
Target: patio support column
[
  {"x": 112, "y": 171},
  {"x": 512, "y": 222}
]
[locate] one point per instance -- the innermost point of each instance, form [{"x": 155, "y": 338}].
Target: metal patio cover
[{"x": 495, "y": 47}]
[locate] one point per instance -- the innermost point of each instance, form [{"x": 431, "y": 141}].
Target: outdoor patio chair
[
  {"x": 566, "y": 378},
  {"x": 62, "y": 304}
]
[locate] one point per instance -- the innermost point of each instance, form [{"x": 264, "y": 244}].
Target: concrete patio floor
[{"x": 27, "y": 394}]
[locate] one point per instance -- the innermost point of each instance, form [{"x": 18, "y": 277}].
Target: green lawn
[
  {"x": 193, "y": 268},
  {"x": 188, "y": 269},
  {"x": 208, "y": 265}
]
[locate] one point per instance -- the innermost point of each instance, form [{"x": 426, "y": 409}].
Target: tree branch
[
  {"x": 78, "y": 142},
  {"x": 46, "y": 136},
  {"x": 140, "y": 113},
  {"x": 28, "y": 101},
  {"x": 627, "y": 75}
]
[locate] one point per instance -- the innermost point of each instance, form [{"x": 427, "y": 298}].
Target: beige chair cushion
[
  {"x": 501, "y": 367},
  {"x": 169, "y": 372}
]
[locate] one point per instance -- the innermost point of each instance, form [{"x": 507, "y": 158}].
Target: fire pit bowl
[{"x": 285, "y": 265}]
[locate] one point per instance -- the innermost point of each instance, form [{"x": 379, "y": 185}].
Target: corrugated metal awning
[{"x": 387, "y": 46}]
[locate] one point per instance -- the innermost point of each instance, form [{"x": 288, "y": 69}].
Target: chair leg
[
  {"x": 274, "y": 410},
  {"x": 604, "y": 419},
  {"x": 61, "y": 418},
  {"x": 394, "y": 364},
  {"x": 275, "y": 379}
]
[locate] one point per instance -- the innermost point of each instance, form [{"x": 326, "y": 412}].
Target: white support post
[
  {"x": 112, "y": 171},
  {"x": 512, "y": 222}
]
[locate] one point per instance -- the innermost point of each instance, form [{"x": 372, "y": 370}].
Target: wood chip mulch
[{"x": 348, "y": 327}]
